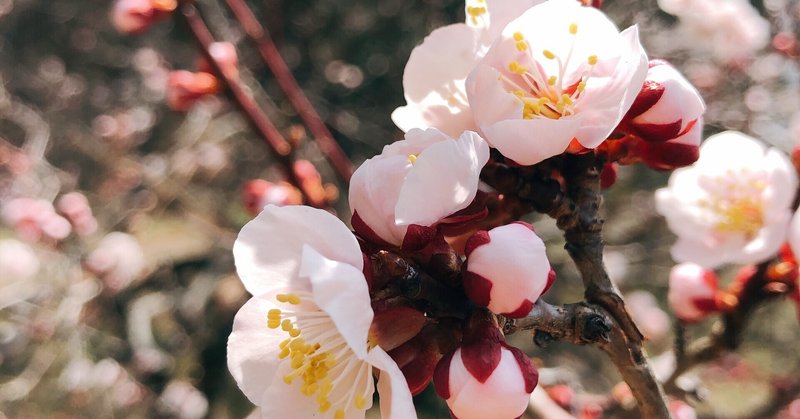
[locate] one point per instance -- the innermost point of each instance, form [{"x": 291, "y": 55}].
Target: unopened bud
[
  {"x": 692, "y": 291},
  {"x": 185, "y": 88},
  {"x": 507, "y": 269}
]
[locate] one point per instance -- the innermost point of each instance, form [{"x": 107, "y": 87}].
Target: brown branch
[
  {"x": 281, "y": 149},
  {"x": 272, "y": 57}
]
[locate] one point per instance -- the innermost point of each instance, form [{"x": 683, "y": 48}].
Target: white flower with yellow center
[
  {"x": 433, "y": 80},
  {"x": 560, "y": 71},
  {"x": 299, "y": 348},
  {"x": 733, "y": 205}
]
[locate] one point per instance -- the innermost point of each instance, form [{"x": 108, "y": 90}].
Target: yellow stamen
[
  {"x": 518, "y": 36},
  {"x": 552, "y": 80},
  {"x": 573, "y": 28},
  {"x": 515, "y": 67},
  {"x": 288, "y": 298},
  {"x": 412, "y": 158},
  {"x": 548, "y": 54},
  {"x": 522, "y": 46},
  {"x": 592, "y": 60},
  {"x": 360, "y": 402},
  {"x": 339, "y": 414}
]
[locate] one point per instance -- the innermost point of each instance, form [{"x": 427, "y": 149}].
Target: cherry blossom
[
  {"x": 558, "y": 72},
  {"x": 732, "y": 205},
  {"x": 118, "y": 259},
  {"x": 132, "y": 16},
  {"x": 433, "y": 80},
  {"x": 507, "y": 269},
  {"x": 185, "y": 88},
  {"x": 18, "y": 261},
  {"x": 416, "y": 181},
  {"x": 692, "y": 291},
  {"x": 312, "y": 357},
  {"x": 258, "y": 193}
]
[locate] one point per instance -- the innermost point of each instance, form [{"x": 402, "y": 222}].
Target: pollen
[
  {"x": 592, "y": 60},
  {"x": 518, "y": 36},
  {"x": 548, "y": 54},
  {"x": 288, "y": 298},
  {"x": 552, "y": 80},
  {"x": 522, "y": 46},
  {"x": 516, "y": 68},
  {"x": 573, "y": 28},
  {"x": 412, "y": 158}
]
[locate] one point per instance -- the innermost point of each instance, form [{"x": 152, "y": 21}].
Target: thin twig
[{"x": 272, "y": 57}]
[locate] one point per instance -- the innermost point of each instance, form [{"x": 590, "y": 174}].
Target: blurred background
[{"x": 117, "y": 287}]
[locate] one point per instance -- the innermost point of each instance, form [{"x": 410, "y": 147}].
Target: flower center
[
  {"x": 739, "y": 208},
  {"x": 543, "y": 95},
  {"x": 319, "y": 356}
]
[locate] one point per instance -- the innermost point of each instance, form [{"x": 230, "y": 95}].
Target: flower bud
[
  {"x": 507, "y": 269},
  {"x": 485, "y": 378},
  {"x": 258, "y": 193},
  {"x": 666, "y": 106},
  {"x": 133, "y": 16},
  {"x": 185, "y": 88},
  {"x": 669, "y": 155},
  {"x": 692, "y": 291}
]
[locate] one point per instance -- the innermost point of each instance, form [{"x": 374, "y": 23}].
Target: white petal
[
  {"x": 490, "y": 102},
  {"x": 529, "y": 141},
  {"x": 285, "y": 401},
  {"x": 268, "y": 250},
  {"x": 766, "y": 244},
  {"x": 341, "y": 291},
  {"x": 395, "y": 397},
  {"x": 707, "y": 255},
  {"x": 443, "y": 180},
  {"x": 374, "y": 190},
  {"x": 501, "y": 12},
  {"x": 414, "y": 142},
  {"x": 253, "y": 348}
]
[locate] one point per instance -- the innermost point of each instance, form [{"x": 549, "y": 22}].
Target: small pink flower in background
[
  {"x": 133, "y": 16},
  {"x": 227, "y": 58},
  {"x": 258, "y": 193},
  {"x": 18, "y": 262},
  {"x": 185, "y": 88},
  {"x": 666, "y": 107},
  {"x": 652, "y": 321},
  {"x": 34, "y": 219},
  {"x": 485, "y": 378},
  {"x": 559, "y": 72},
  {"x": 118, "y": 259},
  {"x": 692, "y": 292},
  {"x": 733, "y": 205},
  {"x": 433, "y": 80},
  {"x": 507, "y": 269},
  {"x": 312, "y": 356},
  {"x": 681, "y": 410},
  {"x": 416, "y": 181},
  {"x": 75, "y": 207}
]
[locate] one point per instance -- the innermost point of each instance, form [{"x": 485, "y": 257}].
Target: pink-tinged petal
[
  {"x": 502, "y": 395},
  {"x": 489, "y": 100},
  {"x": 680, "y": 101},
  {"x": 501, "y": 12},
  {"x": 688, "y": 283},
  {"x": 395, "y": 397},
  {"x": 414, "y": 142},
  {"x": 443, "y": 180},
  {"x": 529, "y": 141},
  {"x": 374, "y": 189},
  {"x": 268, "y": 250},
  {"x": 286, "y": 401},
  {"x": 341, "y": 291},
  {"x": 782, "y": 178},
  {"x": 253, "y": 348},
  {"x": 433, "y": 81},
  {"x": 768, "y": 241},
  {"x": 704, "y": 253}
]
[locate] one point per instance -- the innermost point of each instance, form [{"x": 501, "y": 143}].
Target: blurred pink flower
[
  {"x": 531, "y": 95},
  {"x": 653, "y": 321},
  {"x": 304, "y": 269},
  {"x": 185, "y": 88},
  {"x": 258, "y": 193},
  {"x": 732, "y": 205},
  {"x": 433, "y": 80},
  {"x": 507, "y": 269},
  {"x": 692, "y": 291},
  {"x": 133, "y": 16},
  {"x": 118, "y": 259},
  {"x": 18, "y": 262},
  {"x": 225, "y": 55},
  {"x": 34, "y": 218},
  {"x": 75, "y": 207},
  {"x": 416, "y": 181}
]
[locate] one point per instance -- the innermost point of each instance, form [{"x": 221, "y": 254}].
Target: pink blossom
[
  {"x": 75, "y": 207},
  {"x": 133, "y": 16},
  {"x": 185, "y": 88},
  {"x": 667, "y": 105},
  {"x": 507, "y": 269},
  {"x": 559, "y": 72},
  {"x": 732, "y": 205},
  {"x": 433, "y": 80},
  {"x": 416, "y": 181},
  {"x": 226, "y": 57},
  {"x": 34, "y": 218},
  {"x": 311, "y": 358},
  {"x": 18, "y": 262},
  {"x": 258, "y": 193},
  {"x": 485, "y": 378},
  {"x": 652, "y": 321},
  {"x": 118, "y": 259},
  {"x": 692, "y": 291}
]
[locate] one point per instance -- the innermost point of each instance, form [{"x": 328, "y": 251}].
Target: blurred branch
[
  {"x": 281, "y": 149},
  {"x": 272, "y": 57}
]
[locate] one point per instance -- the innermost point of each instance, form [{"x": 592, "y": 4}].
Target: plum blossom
[
  {"x": 558, "y": 72},
  {"x": 258, "y": 193},
  {"x": 732, "y": 205},
  {"x": 34, "y": 219},
  {"x": 692, "y": 291},
  {"x": 185, "y": 88},
  {"x": 118, "y": 259},
  {"x": 507, "y": 269},
  {"x": 133, "y": 16},
  {"x": 485, "y": 378},
  {"x": 312, "y": 357},
  {"x": 18, "y": 261},
  {"x": 433, "y": 80},
  {"x": 667, "y": 107},
  {"x": 416, "y": 181}
]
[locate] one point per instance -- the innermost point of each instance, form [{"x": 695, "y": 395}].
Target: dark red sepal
[
  {"x": 650, "y": 94},
  {"x": 441, "y": 376},
  {"x": 480, "y": 237},
  {"x": 365, "y": 232},
  {"x": 417, "y": 237},
  {"x": 523, "y": 310},
  {"x": 668, "y": 156},
  {"x": 477, "y": 288},
  {"x": 481, "y": 357},
  {"x": 657, "y": 133}
]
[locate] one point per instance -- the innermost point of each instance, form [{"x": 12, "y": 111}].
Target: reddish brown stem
[
  {"x": 258, "y": 119},
  {"x": 272, "y": 57}
]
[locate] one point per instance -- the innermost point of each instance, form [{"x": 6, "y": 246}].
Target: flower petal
[
  {"x": 529, "y": 141},
  {"x": 374, "y": 189},
  {"x": 341, "y": 291},
  {"x": 443, "y": 180},
  {"x": 396, "y": 401},
  {"x": 268, "y": 250}
]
